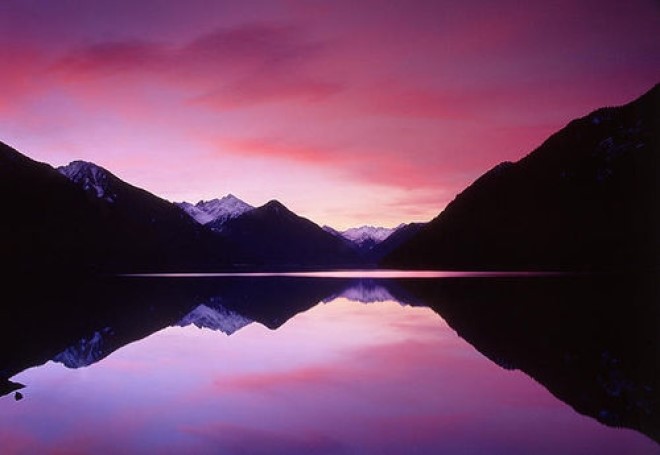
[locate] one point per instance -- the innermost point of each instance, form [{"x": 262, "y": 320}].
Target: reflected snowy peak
[
  {"x": 86, "y": 351},
  {"x": 365, "y": 291},
  {"x": 214, "y": 317}
]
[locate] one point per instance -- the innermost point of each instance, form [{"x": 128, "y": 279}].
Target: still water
[{"x": 326, "y": 366}]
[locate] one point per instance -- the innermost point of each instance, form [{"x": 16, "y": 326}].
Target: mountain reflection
[
  {"x": 216, "y": 317},
  {"x": 592, "y": 342}
]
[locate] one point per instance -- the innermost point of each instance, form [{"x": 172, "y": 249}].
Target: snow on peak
[
  {"x": 214, "y": 317},
  {"x": 216, "y": 210},
  {"x": 90, "y": 177},
  {"x": 363, "y": 234}
]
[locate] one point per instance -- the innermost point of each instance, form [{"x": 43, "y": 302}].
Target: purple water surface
[{"x": 341, "y": 378}]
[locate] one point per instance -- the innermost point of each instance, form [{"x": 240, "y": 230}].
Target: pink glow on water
[
  {"x": 368, "y": 273},
  {"x": 341, "y": 378}
]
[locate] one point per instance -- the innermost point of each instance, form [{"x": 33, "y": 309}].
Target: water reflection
[{"x": 341, "y": 376}]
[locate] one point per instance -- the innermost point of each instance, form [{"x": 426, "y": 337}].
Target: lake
[{"x": 331, "y": 363}]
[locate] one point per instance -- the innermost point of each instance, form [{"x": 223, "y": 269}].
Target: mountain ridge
[
  {"x": 216, "y": 212},
  {"x": 585, "y": 199},
  {"x": 273, "y": 235},
  {"x": 95, "y": 223}
]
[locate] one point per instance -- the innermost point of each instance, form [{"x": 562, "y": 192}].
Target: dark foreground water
[{"x": 331, "y": 365}]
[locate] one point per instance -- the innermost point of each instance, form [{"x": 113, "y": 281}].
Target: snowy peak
[
  {"x": 92, "y": 178},
  {"x": 214, "y": 317},
  {"x": 365, "y": 235},
  {"x": 218, "y": 211}
]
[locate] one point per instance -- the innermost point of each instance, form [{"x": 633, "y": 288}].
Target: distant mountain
[
  {"x": 83, "y": 218},
  {"x": 586, "y": 199},
  {"x": 272, "y": 235},
  {"x": 368, "y": 235},
  {"x": 372, "y": 243},
  {"x": 216, "y": 212}
]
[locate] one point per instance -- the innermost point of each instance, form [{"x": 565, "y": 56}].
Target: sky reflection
[{"x": 343, "y": 377}]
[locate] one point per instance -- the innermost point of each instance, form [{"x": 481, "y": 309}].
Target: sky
[{"x": 348, "y": 112}]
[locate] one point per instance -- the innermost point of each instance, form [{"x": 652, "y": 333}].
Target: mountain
[
  {"x": 272, "y": 235},
  {"x": 586, "y": 199},
  {"x": 372, "y": 243},
  {"x": 92, "y": 178},
  {"x": 216, "y": 212},
  {"x": 85, "y": 219},
  {"x": 151, "y": 233},
  {"x": 402, "y": 234},
  {"x": 368, "y": 236}
]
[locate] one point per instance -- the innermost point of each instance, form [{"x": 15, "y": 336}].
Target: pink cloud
[
  {"x": 110, "y": 58},
  {"x": 420, "y": 97},
  {"x": 20, "y": 77},
  {"x": 223, "y": 69}
]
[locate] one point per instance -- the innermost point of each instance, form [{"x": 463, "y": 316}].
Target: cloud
[
  {"x": 20, "y": 77},
  {"x": 419, "y": 97},
  {"x": 261, "y": 45},
  {"x": 112, "y": 58},
  {"x": 229, "y": 67}
]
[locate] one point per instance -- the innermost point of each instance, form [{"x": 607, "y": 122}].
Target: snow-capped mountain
[
  {"x": 216, "y": 211},
  {"x": 214, "y": 317},
  {"x": 364, "y": 236},
  {"x": 373, "y": 243},
  {"x": 91, "y": 177}
]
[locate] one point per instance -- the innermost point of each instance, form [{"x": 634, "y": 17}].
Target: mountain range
[
  {"x": 586, "y": 199},
  {"x": 84, "y": 219},
  {"x": 364, "y": 245}
]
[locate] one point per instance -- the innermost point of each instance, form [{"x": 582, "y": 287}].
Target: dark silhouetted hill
[{"x": 586, "y": 199}]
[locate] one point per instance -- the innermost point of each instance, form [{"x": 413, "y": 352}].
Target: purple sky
[{"x": 348, "y": 112}]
